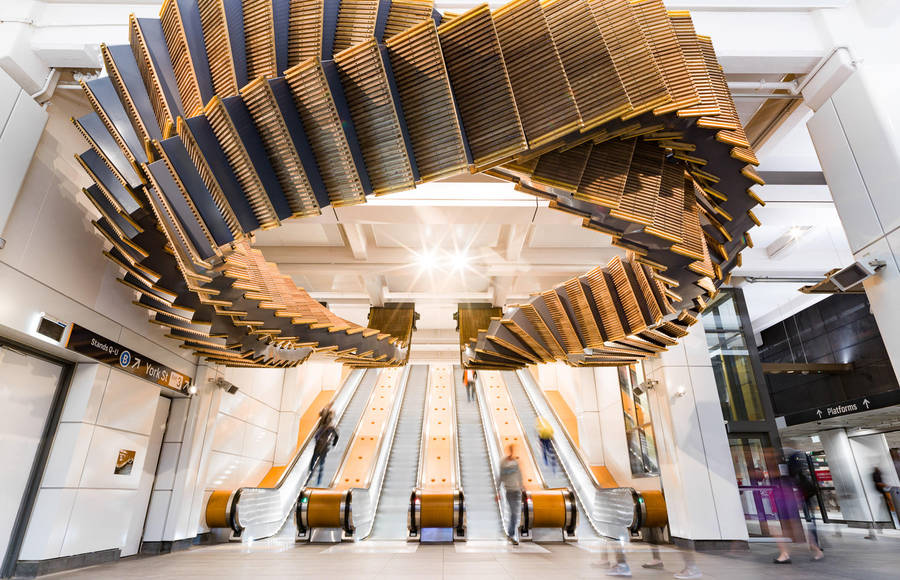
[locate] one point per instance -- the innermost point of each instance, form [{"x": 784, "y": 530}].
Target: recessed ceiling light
[
  {"x": 786, "y": 240},
  {"x": 459, "y": 261},
  {"x": 426, "y": 259}
]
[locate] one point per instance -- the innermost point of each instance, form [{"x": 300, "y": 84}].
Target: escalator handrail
[
  {"x": 347, "y": 390},
  {"x": 492, "y": 452},
  {"x": 579, "y": 455},
  {"x": 422, "y": 431}
]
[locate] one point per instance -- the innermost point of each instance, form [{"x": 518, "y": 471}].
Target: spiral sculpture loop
[{"x": 223, "y": 117}]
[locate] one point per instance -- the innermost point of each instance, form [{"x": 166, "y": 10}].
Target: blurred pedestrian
[
  {"x": 326, "y": 438},
  {"x": 803, "y": 483},
  {"x": 881, "y": 488},
  {"x": 545, "y": 434},
  {"x": 511, "y": 481},
  {"x": 655, "y": 537},
  {"x": 787, "y": 498},
  {"x": 470, "y": 384},
  {"x": 621, "y": 569},
  {"x": 326, "y": 416}
]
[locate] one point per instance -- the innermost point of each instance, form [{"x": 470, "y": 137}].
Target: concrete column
[
  {"x": 851, "y": 461},
  {"x": 854, "y": 130},
  {"x": 695, "y": 463},
  {"x": 175, "y": 514}
]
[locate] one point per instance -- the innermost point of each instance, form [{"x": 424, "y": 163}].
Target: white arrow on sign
[
  {"x": 819, "y": 413},
  {"x": 866, "y": 403}
]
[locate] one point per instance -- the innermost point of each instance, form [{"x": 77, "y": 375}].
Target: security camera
[
  {"x": 644, "y": 387},
  {"x": 230, "y": 388}
]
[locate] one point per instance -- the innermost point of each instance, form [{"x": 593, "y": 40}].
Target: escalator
[
  {"x": 345, "y": 508},
  {"x": 437, "y": 510},
  {"x": 482, "y": 512},
  {"x": 260, "y": 512},
  {"x": 346, "y": 424},
  {"x": 614, "y": 512},
  {"x": 528, "y": 416},
  {"x": 400, "y": 478},
  {"x": 542, "y": 507}
]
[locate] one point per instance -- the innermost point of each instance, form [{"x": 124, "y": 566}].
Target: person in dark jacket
[
  {"x": 790, "y": 489},
  {"x": 326, "y": 438},
  {"x": 326, "y": 416}
]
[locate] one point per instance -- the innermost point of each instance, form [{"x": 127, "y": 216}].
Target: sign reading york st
[{"x": 102, "y": 349}]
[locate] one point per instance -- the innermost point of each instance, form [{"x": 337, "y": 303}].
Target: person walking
[
  {"x": 511, "y": 481},
  {"x": 326, "y": 416},
  {"x": 545, "y": 434},
  {"x": 786, "y": 491},
  {"x": 807, "y": 491},
  {"x": 881, "y": 487},
  {"x": 470, "y": 384},
  {"x": 326, "y": 438}
]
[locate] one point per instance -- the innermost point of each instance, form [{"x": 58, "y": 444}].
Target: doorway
[
  {"x": 756, "y": 479},
  {"x": 32, "y": 387}
]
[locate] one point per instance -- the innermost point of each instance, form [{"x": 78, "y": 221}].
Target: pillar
[
  {"x": 854, "y": 133},
  {"x": 851, "y": 461},
  {"x": 696, "y": 469},
  {"x": 175, "y": 515}
]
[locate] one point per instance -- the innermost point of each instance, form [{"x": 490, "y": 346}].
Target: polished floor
[{"x": 848, "y": 555}]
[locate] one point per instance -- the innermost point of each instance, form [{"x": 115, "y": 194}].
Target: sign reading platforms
[
  {"x": 102, "y": 349},
  {"x": 867, "y": 403}
]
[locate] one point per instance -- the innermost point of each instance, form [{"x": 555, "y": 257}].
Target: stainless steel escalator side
[
  {"x": 400, "y": 477},
  {"x": 260, "y": 512},
  {"x": 477, "y": 479},
  {"x": 495, "y": 453},
  {"x": 365, "y": 500},
  {"x": 612, "y": 512}
]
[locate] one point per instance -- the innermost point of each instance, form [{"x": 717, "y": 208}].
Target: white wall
[
  {"x": 576, "y": 387},
  {"x": 612, "y": 427},
  {"x": 301, "y": 386},
  {"x": 594, "y": 397},
  {"x": 21, "y": 123},
  {"x": 82, "y": 505},
  {"x": 53, "y": 258},
  {"x": 179, "y": 491},
  {"x": 243, "y": 446}
]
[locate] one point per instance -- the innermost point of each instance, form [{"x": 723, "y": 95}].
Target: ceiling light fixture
[
  {"x": 786, "y": 240},
  {"x": 426, "y": 260},
  {"x": 459, "y": 261}
]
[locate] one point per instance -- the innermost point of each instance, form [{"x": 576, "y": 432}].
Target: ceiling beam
[
  {"x": 514, "y": 239},
  {"x": 355, "y": 238},
  {"x": 375, "y": 288},
  {"x": 502, "y": 286},
  {"x": 793, "y": 177}
]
